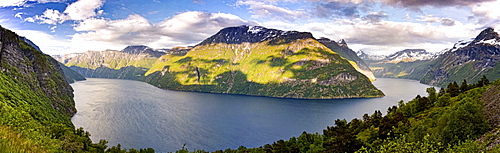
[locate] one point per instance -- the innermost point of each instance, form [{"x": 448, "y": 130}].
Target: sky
[{"x": 373, "y": 26}]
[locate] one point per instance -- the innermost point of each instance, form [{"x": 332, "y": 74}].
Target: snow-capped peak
[{"x": 410, "y": 55}]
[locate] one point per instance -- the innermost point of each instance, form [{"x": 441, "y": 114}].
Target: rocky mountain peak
[
  {"x": 342, "y": 42},
  {"x": 487, "y": 34},
  {"x": 136, "y": 49},
  {"x": 253, "y": 34},
  {"x": 141, "y": 49}
]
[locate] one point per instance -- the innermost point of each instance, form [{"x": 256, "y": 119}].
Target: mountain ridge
[{"x": 468, "y": 60}]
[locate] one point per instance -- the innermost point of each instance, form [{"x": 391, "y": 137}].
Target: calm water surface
[{"x": 138, "y": 115}]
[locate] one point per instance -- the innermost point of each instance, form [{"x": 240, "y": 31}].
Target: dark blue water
[{"x": 138, "y": 115}]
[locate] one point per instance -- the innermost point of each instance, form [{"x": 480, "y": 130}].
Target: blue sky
[{"x": 375, "y": 26}]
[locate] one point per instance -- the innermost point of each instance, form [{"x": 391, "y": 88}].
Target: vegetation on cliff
[{"x": 36, "y": 103}]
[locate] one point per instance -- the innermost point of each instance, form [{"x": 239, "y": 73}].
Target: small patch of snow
[{"x": 253, "y": 29}]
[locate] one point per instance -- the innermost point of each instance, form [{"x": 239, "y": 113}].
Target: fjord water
[{"x": 138, "y": 115}]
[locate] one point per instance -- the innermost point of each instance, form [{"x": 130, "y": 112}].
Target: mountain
[
  {"x": 369, "y": 57},
  {"x": 36, "y": 103},
  {"x": 409, "y": 55},
  {"x": 407, "y": 64},
  {"x": 468, "y": 60},
  {"x": 70, "y": 75},
  {"x": 254, "y": 60},
  {"x": 344, "y": 51},
  {"x": 130, "y": 63}
]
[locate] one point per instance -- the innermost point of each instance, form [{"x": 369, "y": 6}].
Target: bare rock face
[{"x": 491, "y": 100}]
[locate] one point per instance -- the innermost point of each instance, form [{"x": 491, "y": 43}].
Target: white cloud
[
  {"x": 435, "y": 19},
  {"x": 263, "y": 10},
  {"x": 386, "y": 36},
  {"x": 79, "y": 10},
  {"x": 8, "y": 3},
  {"x": 83, "y": 9},
  {"x": 49, "y": 44},
  {"x": 488, "y": 13},
  {"x": 50, "y": 16},
  {"x": 186, "y": 28}
]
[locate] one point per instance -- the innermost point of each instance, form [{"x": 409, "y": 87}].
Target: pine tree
[
  {"x": 453, "y": 89},
  {"x": 464, "y": 87}
]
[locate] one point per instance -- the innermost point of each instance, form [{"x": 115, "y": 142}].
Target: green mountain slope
[
  {"x": 273, "y": 63},
  {"x": 129, "y": 63},
  {"x": 344, "y": 51}
]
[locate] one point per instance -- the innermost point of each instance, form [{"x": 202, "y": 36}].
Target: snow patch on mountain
[
  {"x": 254, "y": 29},
  {"x": 460, "y": 44},
  {"x": 491, "y": 42},
  {"x": 407, "y": 55},
  {"x": 410, "y": 55}
]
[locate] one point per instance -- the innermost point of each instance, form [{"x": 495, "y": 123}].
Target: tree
[
  {"x": 432, "y": 94},
  {"x": 453, "y": 89},
  {"x": 441, "y": 92},
  {"x": 464, "y": 87},
  {"x": 485, "y": 80}
]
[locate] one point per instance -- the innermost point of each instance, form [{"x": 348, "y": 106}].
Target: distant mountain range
[
  {"x": 250, "y": 60},
  {"x": 130, "y": 63},
  {"x": 468, "y": 60}
]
